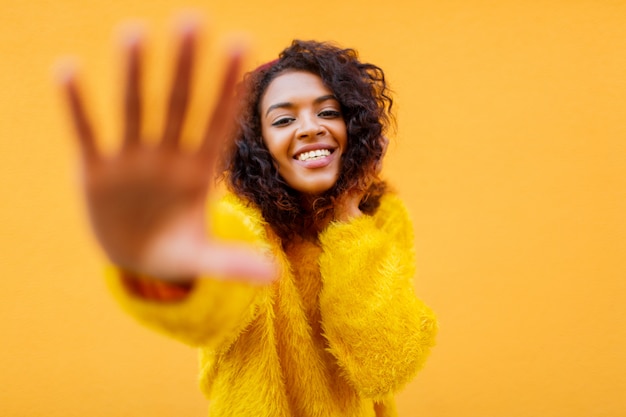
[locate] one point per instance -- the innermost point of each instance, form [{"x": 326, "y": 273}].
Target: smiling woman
[
  {"x": 297, "y": 286},
  {"x": 332, "y": 91}
]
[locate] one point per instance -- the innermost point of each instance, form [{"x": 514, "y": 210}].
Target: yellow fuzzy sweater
[{"x": 336, "y": 335}]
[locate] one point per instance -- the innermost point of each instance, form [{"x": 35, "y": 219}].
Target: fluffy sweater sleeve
[
  {"x": 377, "y": 329},
  {"x": 214, "y": 311}
]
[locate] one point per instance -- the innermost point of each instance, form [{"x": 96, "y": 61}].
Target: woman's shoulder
[
  {"x": 390, "y": 203},
  {"x": 392, "y": 213}
]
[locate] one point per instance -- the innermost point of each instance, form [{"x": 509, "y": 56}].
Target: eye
[
  {"x": 329, "y": 114},
  {"x": 283, "y": 121}
]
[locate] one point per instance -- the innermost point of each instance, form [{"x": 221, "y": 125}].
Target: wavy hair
[{"x": 365, "y": 103}]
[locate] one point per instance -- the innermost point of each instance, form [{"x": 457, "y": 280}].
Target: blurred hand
[{"x": 146, "y": 203}]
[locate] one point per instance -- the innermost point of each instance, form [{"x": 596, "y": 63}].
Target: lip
[
  {"x": 316, "y": 163},
  {"x": 314, "y": 147}
]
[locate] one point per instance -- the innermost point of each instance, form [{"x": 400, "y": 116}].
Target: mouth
[{"x": 313, "y": 155}]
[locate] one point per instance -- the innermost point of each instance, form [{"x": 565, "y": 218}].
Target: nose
[{"x": 309, "y": 127}]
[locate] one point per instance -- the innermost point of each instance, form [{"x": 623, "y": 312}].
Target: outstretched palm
[{"x": 147, "y": 203}]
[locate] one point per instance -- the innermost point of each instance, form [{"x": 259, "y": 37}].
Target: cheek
[
  {"x": 268, "y": 145},
  {"x": 341, "y": 134},
  {"x": 277, "y": 144},
  {"x": 275, "y": 153}
]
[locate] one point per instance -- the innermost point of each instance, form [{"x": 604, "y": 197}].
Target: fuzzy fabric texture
[{"x": 337, "y": 334}]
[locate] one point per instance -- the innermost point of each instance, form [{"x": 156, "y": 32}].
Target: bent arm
[
  {"x": 207, "y": 311},
  {"x": 376, "y": 327}
]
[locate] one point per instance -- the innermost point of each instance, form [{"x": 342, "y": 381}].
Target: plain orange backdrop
[{"x": 510, "y": 152}]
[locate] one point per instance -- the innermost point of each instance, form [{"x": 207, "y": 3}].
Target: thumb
[
  {"x": 178, "y": 259},
  {"x": 237, "y": 262}
]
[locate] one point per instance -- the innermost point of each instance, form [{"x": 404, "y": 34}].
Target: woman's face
[{"x": 304, "y": 130}]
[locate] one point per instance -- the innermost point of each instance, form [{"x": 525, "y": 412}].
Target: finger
[
  {"x": 84, "y": 132},
  {"x": 179, "y": 94},
  {"x": 132, "y": 92},
  {"x": 221, "y": 122}
]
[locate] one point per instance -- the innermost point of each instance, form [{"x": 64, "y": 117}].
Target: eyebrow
[{"x": 287, "y": 105}]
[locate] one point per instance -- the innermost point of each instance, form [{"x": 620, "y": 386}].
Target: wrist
[{"x": 154, "y": 289}]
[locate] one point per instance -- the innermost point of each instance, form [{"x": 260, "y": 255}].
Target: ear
[{"x": 384, "y": 142}]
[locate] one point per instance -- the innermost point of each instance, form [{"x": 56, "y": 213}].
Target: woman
[{"x": 297, "y": 285}]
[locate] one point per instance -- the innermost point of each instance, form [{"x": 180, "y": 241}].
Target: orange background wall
[{"x": 510, "y": 152}]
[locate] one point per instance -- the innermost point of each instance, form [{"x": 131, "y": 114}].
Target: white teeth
[{"x": 317, "y": 154}]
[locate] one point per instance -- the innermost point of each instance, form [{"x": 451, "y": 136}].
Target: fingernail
[
  {"x": 188, "y": 22},
  {"x": 131, "y": 32},
  {"x": 64, "y": 69}
]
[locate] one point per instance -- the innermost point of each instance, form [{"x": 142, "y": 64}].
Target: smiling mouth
[{"x": 313, "y": 155}]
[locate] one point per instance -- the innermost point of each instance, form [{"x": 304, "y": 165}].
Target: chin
[{"x": 316, "y": 188}]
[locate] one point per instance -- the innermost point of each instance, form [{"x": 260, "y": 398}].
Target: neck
[{"x": 314, "y": 220}]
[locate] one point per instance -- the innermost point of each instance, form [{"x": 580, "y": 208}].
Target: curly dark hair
[{"x": 365, "y": 103}]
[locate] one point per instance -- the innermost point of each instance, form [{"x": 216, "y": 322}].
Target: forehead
[{"x": 294, "y": 86}]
